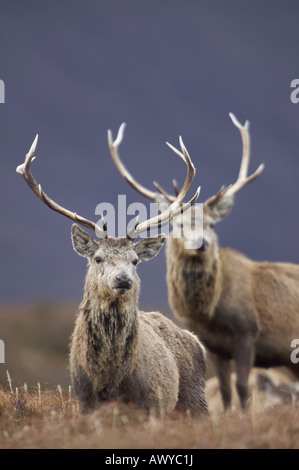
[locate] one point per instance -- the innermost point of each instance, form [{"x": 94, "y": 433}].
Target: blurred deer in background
[
  {"x": 267, "y": 388},
  {"x": 240, "y": 309},
  {"x": 118, "y": 351}
]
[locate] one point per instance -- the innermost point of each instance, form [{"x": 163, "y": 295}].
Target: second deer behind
[{"x": 240, "y": 309}]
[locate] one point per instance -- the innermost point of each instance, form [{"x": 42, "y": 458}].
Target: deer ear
[
  {"x": 149, "y": 247},
  {"x": 220, "y": 208},
  {"x": 83, "y": 243}
]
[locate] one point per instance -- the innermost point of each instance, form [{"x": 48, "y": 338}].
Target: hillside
[{"x": 36, "y": 338}]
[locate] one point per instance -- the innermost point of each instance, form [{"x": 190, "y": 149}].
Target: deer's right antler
[{"x": 25, "y": 171}]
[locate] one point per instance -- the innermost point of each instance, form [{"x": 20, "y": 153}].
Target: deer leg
[
  {"x": 222, "y": 367},
  {"x": 243, "y": 355},
  {"x": 84, "y": 390}
]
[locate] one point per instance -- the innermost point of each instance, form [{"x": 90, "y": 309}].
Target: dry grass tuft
[{"x": 50, "y": 419}]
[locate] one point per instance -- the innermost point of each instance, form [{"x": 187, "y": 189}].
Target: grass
[
  {"x": 50, "y": 419},
  {"x": 40, "y": 414}
]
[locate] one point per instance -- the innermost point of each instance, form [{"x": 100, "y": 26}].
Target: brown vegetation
[{"x": 51, "y": 420}]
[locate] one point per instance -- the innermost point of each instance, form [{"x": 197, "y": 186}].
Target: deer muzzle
[{"x": 123, "y": 283}]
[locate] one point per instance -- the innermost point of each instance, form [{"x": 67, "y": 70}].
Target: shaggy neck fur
[
  {"x": 194, "y": 280},
  {"x": 110, "y": 326}
]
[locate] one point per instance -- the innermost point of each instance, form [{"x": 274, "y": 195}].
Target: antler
[
  {"x": 113, "y": 146},
  {"x": 242, "y": 179},
  {"x": 131, "y": 180},
  {"x": 25, "y": 171},
  {"x": 177, "y": 202}
]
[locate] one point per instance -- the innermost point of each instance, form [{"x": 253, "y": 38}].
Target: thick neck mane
[
  {"x": 112, "y": 338},
  {"x": 194, "y": 281}
]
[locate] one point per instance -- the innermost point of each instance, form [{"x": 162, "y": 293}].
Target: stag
[
  {"x": 242, "y": 310},
  {"x": 118, "y": 351}
]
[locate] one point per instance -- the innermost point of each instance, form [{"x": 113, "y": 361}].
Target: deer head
[{"x": 112, "y": 261}]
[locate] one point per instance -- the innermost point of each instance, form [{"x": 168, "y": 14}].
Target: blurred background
[{"x": 74, "y": 69}]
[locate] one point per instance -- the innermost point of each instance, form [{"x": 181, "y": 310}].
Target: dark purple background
[{"x": 72, "y": 69}]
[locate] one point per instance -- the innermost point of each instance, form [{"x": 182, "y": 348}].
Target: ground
[{"x": 38, "y": 409}]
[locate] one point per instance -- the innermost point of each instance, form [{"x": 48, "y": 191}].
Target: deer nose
[
  {"x": 124, "y": 282},
  {"x": 205, "y": 245}
]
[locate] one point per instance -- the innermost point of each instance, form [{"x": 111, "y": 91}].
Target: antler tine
[
  {"x": 113, "y": 146},
  {"x": 176, "y": 205},
  {"x": 131, "y": 231},
  {"x": 24, "y": 170},
  {"x": 243, "y": 179},
  {"x": 184, "y": 155},
  {"x": 175, "y": 187},
  {"x": 187, "y": 159},
  {"x": 164, "y": 193}
]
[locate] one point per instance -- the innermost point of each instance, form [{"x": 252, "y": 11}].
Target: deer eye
[{"x": 98, "y": 259}]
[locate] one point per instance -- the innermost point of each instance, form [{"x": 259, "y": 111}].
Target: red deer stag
[
  {"x": 240, "y": 309},
  {"x": 117, "y": 351}
]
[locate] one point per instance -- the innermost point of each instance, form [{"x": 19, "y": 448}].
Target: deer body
[
  {"x": 240, "y": 309},
  {"x": 109, "y": 360},
  {"x": 118, "y": 351}
]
